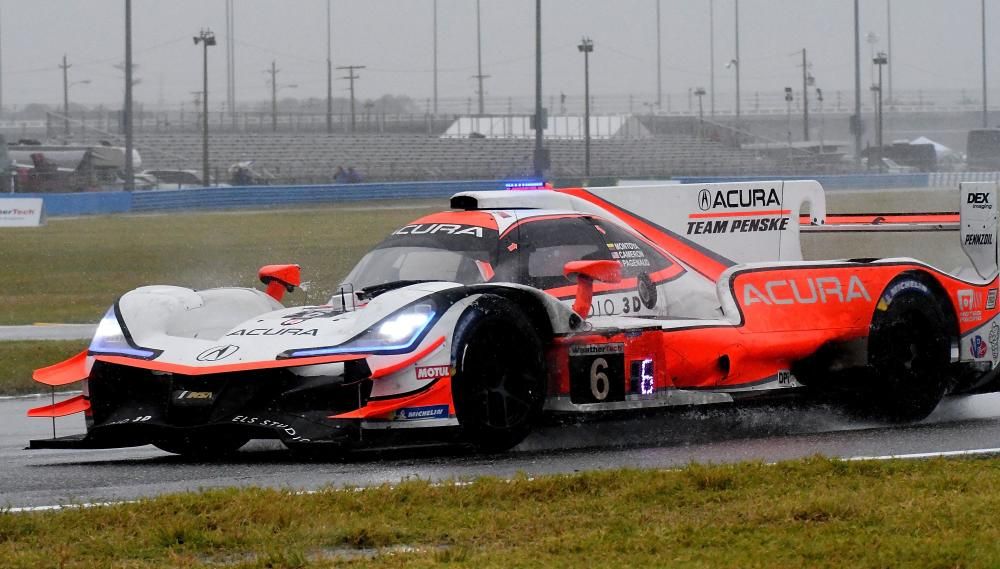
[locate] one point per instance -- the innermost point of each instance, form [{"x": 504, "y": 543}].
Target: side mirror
[
  {"x": 280, "y": 278},
  {"x": 585, "y": 273}
]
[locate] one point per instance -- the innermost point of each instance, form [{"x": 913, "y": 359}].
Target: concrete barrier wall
[
  {"x": 254, "y": 197},
  {"x": 260, "y": 197}
]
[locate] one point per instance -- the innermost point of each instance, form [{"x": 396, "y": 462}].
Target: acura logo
[
  {"x": 217, "y": 353},
  {"x": 704, "y": 200}
]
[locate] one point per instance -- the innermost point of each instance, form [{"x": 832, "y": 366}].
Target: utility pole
[
  {"x": 540, "y": 158},
  {"x": 65, "y": 68},
  {"x": 329, "y": 72},
  {"x": 805, "y": 97},
  {"x": 129, "y": 166},
  {"x": 888, "y": 25},
  {"x": 586, "y": 47},
  {"x": 206, "y": 38},
  {"x": 479, "y": 59},
  {"x": 351, "y": 76},
  {"x": 274, "y": 96},
  {"x": 230, "y": 61},
  {"x": 880, "y": 60}
]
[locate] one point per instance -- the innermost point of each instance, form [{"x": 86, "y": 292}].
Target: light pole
[
  {"x": 329, "y": 72},
  {"x": 540, "y": 158},
  {"x": 856, "y": 119},
  {"x": 479, "y": 60},
  {"x": 985, "y": 117},
  {"x": 586, "y": 47},
  {"x": 711, "y": 56},
  {"x": 659, "y": 68},
  {"x": 736, "y": 60},
  {"x": 879, "y": 60},
  {"x": 129, "y": 166},
  {"x": 788, "y": 103},
  {"x": 700, "y": 92},
  {"x": 819, "y": 99},
  {"x": 435, "y": 56},
  {"x": 206, "y": 38},
  {"x": 807, "y": 80}
]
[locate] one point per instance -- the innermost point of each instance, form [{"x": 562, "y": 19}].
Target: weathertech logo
[{"x": 432, "y": 372}]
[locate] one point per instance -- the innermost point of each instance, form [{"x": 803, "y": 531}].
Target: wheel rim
[{"x": 504, "y": 386}]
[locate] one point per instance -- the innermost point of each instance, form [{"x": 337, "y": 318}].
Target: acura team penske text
[{"x": 470, "y": 324}]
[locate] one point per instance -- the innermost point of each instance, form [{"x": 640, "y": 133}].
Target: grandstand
[{"x": 313, "y": 157}]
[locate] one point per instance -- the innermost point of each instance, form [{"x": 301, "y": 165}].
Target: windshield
[{"x": 449, "y": 246}]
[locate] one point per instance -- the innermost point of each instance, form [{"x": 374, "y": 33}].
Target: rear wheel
[
  {"x": 499, "y": 382},
  {"x": 202, "y": 446},
  {"x": 909, "y": 349}
]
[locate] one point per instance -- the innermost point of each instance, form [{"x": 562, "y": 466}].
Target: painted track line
[{"x": 919, "y": 455}]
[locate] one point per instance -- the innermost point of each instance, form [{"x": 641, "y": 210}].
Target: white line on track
[
  {"x": 937, "y": 454},
  {"x": 38, "y": 395}
]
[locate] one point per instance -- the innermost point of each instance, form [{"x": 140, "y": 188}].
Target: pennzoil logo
[
  {"x": 820, "y": 290},
  {"x": 433, "y": 228},
  {"x": 217, "y": 353},
  {"x": 727, "y": 199}
]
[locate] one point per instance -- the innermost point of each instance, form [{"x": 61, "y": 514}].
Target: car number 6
[{"x": 600, "y": 386}]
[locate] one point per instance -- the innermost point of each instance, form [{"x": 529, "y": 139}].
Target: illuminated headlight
[
  {"x": 111, "y": 339},
  {"x": 398, "y": 332}
]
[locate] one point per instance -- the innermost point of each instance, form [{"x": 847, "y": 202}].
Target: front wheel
[{"x": 499, "y": 382}]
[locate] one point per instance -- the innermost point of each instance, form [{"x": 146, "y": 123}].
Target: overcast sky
[{"x": 936, "y": 45}]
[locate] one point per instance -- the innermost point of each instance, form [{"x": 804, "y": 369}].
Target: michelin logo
[{"x": 419, "y": 413}]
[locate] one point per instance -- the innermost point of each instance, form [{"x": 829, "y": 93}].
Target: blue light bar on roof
[{"x": 527, "y": 185}]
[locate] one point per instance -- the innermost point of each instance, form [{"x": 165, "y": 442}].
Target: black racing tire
[
  {"x": 909, "y": 351},
  {"x": 500, "y": 380},
  {"x": 201, "y": 446}
]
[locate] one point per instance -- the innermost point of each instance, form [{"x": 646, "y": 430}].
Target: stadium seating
[{"x": 313, "y": 157}]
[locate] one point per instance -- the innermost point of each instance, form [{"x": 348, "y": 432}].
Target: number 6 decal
[{"x": 599, "y": 384}]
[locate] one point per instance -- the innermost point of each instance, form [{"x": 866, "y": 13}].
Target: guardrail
[{"x": 236, "y": 197}]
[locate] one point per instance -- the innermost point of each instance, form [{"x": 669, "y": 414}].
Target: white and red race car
[{"x": 470, "y": 324}]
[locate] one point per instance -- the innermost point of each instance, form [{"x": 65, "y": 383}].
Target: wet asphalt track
[{"x": 669, "y": 439}]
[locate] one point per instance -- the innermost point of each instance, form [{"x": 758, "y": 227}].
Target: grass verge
[
  {"x": 809, "y": 513},
  {"x": 71, "y": 270},
  {"x": 19, "y": 359}
]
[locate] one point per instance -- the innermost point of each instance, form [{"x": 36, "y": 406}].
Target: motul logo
[
  {"x": 821, "y": 290},
  {"x": 757, "y": 197},
  {"x": 432, "y": 372}
]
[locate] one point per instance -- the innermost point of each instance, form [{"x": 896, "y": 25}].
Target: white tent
[{"x": 941, "y": 150}]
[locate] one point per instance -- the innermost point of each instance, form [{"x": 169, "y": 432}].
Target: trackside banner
[{"x": 21, "y": 212}]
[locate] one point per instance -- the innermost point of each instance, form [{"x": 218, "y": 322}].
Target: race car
[{"x": 473, "y": 324}]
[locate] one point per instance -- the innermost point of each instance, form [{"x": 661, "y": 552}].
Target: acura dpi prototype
[{"x": 471, "y": 324}]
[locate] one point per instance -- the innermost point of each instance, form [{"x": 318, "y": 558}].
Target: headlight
[
  {"x": 398, "y": 332},
  {"x": 112, "y": 339}
]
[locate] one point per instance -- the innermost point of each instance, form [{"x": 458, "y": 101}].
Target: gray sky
[{"x": 936, "y": 45}]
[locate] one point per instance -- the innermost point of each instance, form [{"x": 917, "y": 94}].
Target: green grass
[
  {"x": 810, "y": 513},
  {"x": 71, "y": 270},
  {"x": 19, "y": 359}
]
